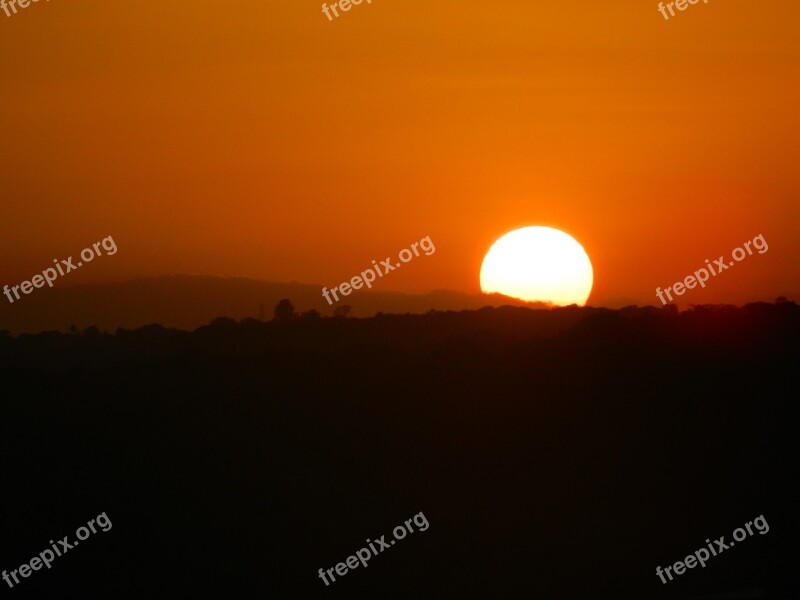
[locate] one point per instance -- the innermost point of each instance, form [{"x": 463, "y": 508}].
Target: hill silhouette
[
  {"x": 558, "y": 453},
  {"x": 188, "y": 301}
]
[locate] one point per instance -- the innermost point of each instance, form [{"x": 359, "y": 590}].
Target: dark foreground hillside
[{"x": 554, "y": 454}]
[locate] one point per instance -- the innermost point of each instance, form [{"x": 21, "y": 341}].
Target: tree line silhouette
[{"x": 557, "y": 453}]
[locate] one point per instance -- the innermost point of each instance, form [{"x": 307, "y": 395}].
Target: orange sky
[{"x": 257, "y": 138}]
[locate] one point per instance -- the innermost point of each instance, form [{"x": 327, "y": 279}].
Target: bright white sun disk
[{"x": 538, "y": 264}]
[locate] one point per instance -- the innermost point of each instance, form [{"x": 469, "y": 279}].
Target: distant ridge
[{"x": 189, "y": 301}]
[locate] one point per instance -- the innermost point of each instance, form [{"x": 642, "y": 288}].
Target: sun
[{"x": 538, "y": 264}]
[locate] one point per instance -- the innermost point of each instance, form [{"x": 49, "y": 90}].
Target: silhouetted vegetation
[
  {"x": 556, "y": 453},
  {"x": 284, "y": 310}
]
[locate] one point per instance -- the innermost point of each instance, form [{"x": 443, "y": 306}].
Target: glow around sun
[{"x": 538, "y": 264}]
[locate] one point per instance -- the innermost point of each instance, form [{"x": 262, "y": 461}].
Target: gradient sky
[{"x": 259, "y": 139}]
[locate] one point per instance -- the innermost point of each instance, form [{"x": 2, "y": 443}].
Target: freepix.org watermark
[
  {"x": 702, "y": 275},
  {"x": 50, "y": 274},
  {"x": 344, "y": 5},
  {"x": 368, "y": 276},
  {"x": 46, "y": 557},
  {"x": 702, "y": 555},
  {"x": 679, "y": 4},
  {"x": 364, "y": 554},
  {"x": 5, "y": 4}
]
